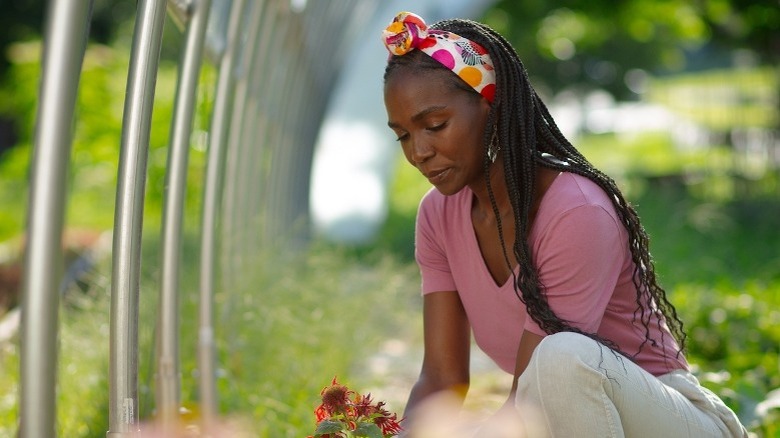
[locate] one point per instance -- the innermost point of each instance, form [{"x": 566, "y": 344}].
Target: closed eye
[
  {"x": 402, "y": 137},
  {"x": 438, "y": 127}
]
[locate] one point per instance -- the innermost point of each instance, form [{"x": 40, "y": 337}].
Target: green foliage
[
  {"x": 734, "y": 334},
  {"x": 697, "y": 240},
  {"x": 722, "y": 99},
  {"x": 594, "y": 44},
  {"x": 111, "y": 21},
  {"x": 369, "y": 430},
  {"x": 97, "y": 139},
  {"x": 327, "y": 426},
  {"x": 315, "y": 317},
  {"x": 9, "y": 388},
  {"x": 362, "y": 430},
  {"x": 720, "y": 266},
  {"x": 83, "y": 364},
  {"x": 651, "y": 154},
  {"x": 82, "y": 396},
  {"x": 406, "y": 192}
]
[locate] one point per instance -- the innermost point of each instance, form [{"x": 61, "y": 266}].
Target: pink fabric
[{"x": 581, "y": 251}]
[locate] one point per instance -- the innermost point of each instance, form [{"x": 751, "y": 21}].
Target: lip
[{"x": 435, "y": 177}]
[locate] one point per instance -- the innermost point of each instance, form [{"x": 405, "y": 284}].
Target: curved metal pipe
[
  {"x": 270, "y": 79},
  {"x": 168, "y": 377},
  {"x": 128, "y": 218},
  {"x": 63, "y": 53},
  {"x": 215, "y": 167},
  {"x": 181, "y": 12},
  {"x": 232, "y": 234}
]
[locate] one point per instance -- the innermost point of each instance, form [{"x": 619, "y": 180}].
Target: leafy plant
[{"x": 344, "y": 413}]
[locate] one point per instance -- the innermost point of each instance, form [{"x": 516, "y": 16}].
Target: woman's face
[{"x": 440, "y": 127}]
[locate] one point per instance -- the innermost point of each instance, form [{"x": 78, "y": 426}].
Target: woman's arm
[
  {"x": 447, "y": 340},
  {"x": 528, "y": 344},
  {"x": 506, "y": 418}
]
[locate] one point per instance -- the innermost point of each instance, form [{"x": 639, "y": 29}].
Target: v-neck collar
[
  {"x": 474, "y": 244},
  {"x": 474, "y": 248}
]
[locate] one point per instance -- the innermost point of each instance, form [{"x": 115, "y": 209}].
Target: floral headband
[{"x": 467, "y": 59}]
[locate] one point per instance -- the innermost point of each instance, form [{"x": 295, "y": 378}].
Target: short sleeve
[
  {"x": 430, "y": 251},
  {"x": 579, "y": 257}
]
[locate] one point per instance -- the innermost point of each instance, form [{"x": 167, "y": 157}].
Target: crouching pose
[{"x": 525, "y": 244}]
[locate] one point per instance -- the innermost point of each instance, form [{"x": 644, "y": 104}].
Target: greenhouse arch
[{"x": 266, "y": 115}]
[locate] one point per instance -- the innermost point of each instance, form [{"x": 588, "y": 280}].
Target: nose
[{"x": 421, "y": 151}]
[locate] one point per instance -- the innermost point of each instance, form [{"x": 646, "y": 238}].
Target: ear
[
  {"x": 486, "y": 108},
  {"x": 489, "y": 106}
]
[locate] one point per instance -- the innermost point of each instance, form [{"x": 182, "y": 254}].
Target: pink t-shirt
[{"x": 581, "y": 252}]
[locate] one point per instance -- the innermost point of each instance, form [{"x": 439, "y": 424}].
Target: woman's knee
[
  {"x": 563, "y": 356},
  {"x": 564, "y": 346}
]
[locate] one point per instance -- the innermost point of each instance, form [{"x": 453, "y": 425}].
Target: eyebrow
[{"x": 421, "y": 114}]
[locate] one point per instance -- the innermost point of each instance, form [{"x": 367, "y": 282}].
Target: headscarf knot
[{"x": 467, "y": 59}]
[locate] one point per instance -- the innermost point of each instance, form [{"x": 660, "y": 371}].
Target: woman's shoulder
[
  {"x": 442, "y": 214},
  {"x": 574, "y": 198},
  {"x": 570, "y": 190},
  {"x": 575, "y": 208}
]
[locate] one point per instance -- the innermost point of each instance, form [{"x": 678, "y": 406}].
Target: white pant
[{"x": 585, "y": 390}]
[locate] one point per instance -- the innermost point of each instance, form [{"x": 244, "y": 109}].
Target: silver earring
[{"x": 493, "y": 148}]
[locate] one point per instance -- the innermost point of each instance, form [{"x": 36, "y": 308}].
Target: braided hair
[{"x": 528, "y": 137}]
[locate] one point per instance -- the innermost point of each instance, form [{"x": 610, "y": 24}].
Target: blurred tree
[
  {"x": 607, "y": 44},
  {"x": 22, "y": 20}
]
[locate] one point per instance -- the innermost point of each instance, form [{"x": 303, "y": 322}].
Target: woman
[{"x": 533, "y": 249}]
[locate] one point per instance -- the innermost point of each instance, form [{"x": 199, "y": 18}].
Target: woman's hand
[
  {"x": 506, "y": 422},
  {"x": 440, "y": 416}
]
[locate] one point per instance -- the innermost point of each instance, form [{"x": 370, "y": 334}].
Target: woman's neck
[{"x": 483, "y": 207}]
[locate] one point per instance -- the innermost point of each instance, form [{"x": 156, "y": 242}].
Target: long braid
[
  {"x": 656, "y": 301},
  {"x": 518, "y": 139},
  {"x": 529, "y": 136}
]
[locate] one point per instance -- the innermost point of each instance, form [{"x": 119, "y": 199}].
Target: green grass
[{"x": 305, "y": 319}]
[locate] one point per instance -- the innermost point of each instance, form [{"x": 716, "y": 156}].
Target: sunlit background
[{"x": 679, "y": 101}]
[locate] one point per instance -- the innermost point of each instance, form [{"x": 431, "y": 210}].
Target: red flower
[
  {"x": 321, "y": 413},
  {"x": 363, "y": 406},
  {"x": 351, "y": 410},
  {"x": 335, "y": 398},
  {"x": 390, "y": 424}
]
